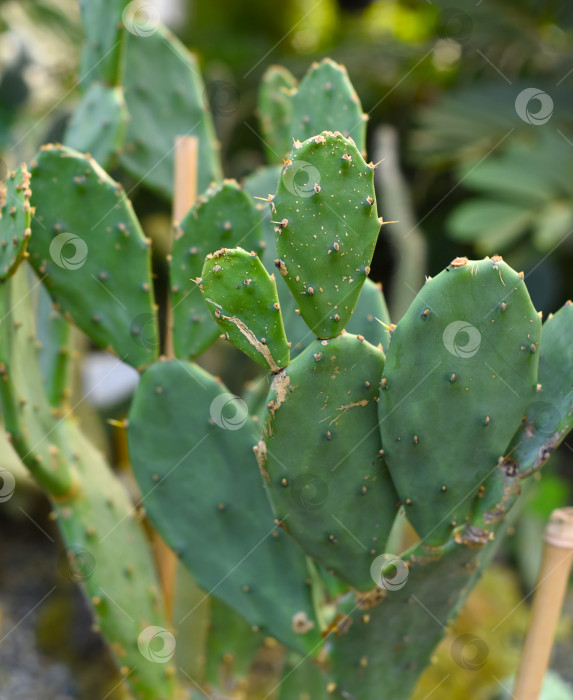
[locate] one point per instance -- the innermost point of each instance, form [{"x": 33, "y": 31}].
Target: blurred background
[{"x": 471, "y": 107}]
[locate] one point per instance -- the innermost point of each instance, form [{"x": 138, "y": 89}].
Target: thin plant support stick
[
  {"x": 547, "y": 604},
  {"x": 184, "y": 195}
]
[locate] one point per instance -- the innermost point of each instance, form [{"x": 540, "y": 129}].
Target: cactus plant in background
[{"x": 280, "y": 502}]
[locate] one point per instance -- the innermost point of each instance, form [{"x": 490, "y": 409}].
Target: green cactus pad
[
  {"x": 549, "y": 418},
  {"x": 33, "y": 429},
  {"x": 378, "y": 653},
  {"x": 15, "y": 218},
  {"x": 165, "y": 99},
  {"x": 460, "y": 372},
  {"x": 275, "y": 112},
  {"x": 201, "y": 489},
  {"x": 225, "y": 217},
  {"x": 326, "y": 101},
  {"x": 242, "y": 298},
  {"x": 324, "y": 246},
  {"x": 371, "y": 317},
  {"x": 99, "y": 123},
  {"x": 320, "y": 454},
  {"x": 107, "y": 553},
  {"x": 103, "y": 27},
  {"x": 89, "y": 250}
]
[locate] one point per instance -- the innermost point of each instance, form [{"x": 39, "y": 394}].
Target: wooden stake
[
  {"x": 547, "y": 604},
  {"x": 184, "y": 195}
]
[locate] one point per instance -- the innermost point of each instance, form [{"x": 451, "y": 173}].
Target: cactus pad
[
  {"x": 165, "y": 99},
  {"x": 324, "y": 246},
  {"x": 242, "y": 298},
  {"x": 549, "y": 418},
  {"x": 225, "y": 217},
  {"x": 326, "y": 101},
  {"x": 275, "y": 112},
  {"x": 101, "y": 20},
  {"x": 320, "y": 454},
  {"x": 460, "y": 372},
  {"x": 88, "y": 248},
  {"x": 99, "y": 123},
  {"x": 15, "y": 217},
  {"x": 217, "y": 519}
]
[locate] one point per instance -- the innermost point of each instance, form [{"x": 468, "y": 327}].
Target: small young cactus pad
[
  {"x": 15, "y": 217},
  {"x": 242, "y": 298},
  {"x": 320, "y": 454},
  {"x": 460, "y": 372},
  {"x": 324, "y": 245},
  {"x": 89, "y": 249},
  {"x": 224, "y": 217}
]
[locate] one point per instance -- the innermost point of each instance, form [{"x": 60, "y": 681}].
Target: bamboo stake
[
  {"x": 547, "y": 604},
  {"x": 184, "y": 195}
]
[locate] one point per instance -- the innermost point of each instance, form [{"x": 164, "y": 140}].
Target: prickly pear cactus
[{"x": 281, "y": 502}]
